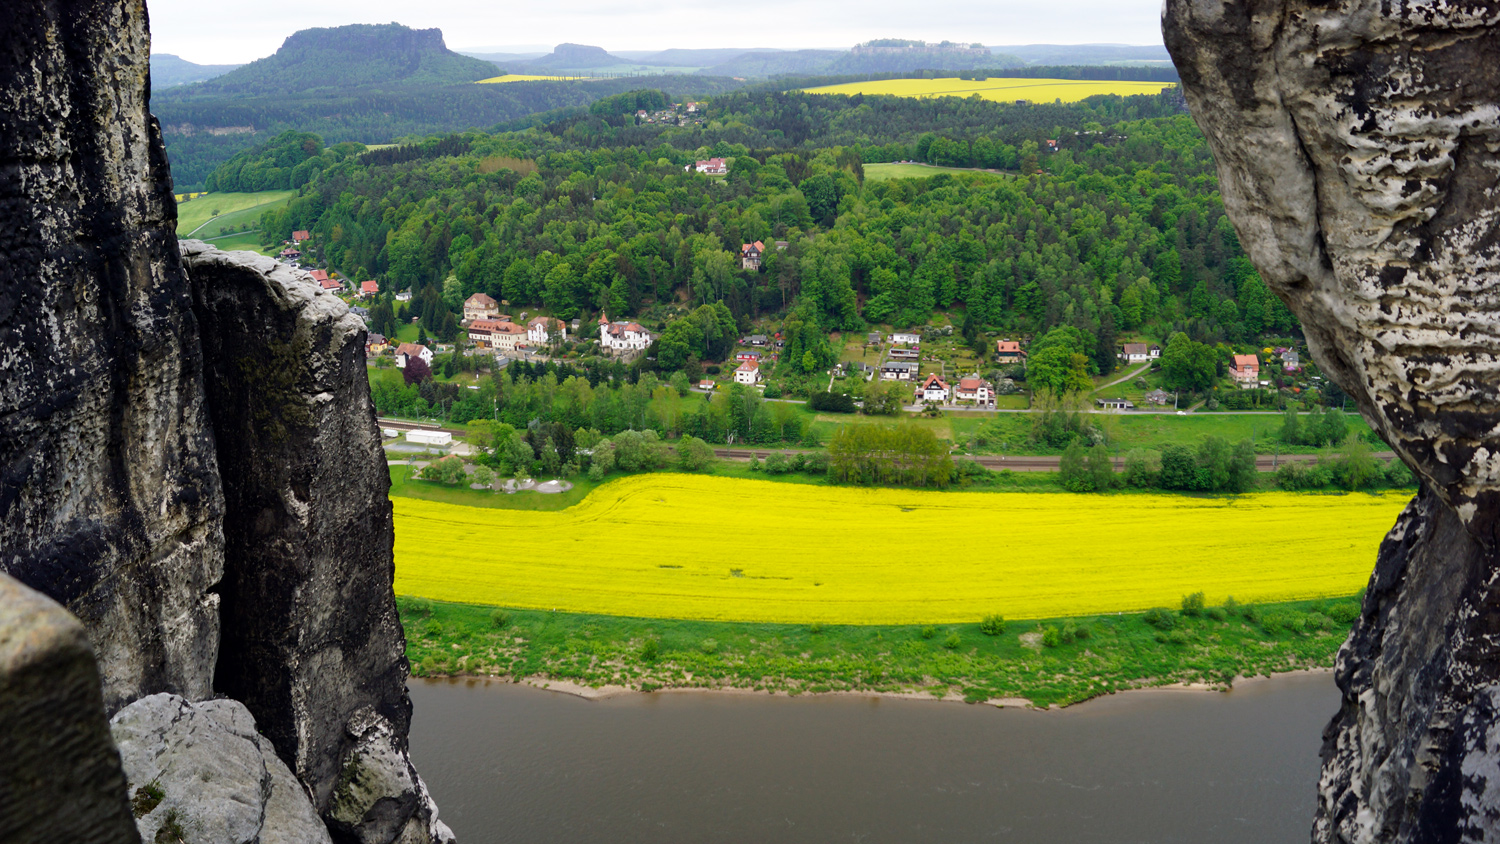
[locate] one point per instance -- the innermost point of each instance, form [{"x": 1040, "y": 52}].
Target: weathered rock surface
[
  {"x": 109, "y": 494},
  {"x": 204, "y": 775},
  {"x": 1358, "y": 146},
  {"x": 60, "y": 777},
  {"x": 312, "y": 642}
]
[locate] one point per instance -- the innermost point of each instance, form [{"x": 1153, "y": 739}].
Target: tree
[
  {"x": 1101, "y": 467},
  {"x": 693, "y": 454},
  {"x": 1356, "y": 467},
  {"x": 1073, "y": 469},
  {"x": 1188, "y": 364},
  {"x": 416, "y": 370},
  {"x": 1179, "y": 468},
  {"x": 1241, "y": 468},
  {"x": 1291, "y": 427},
  {"x": 1058, "y": 370},
  {"x": 1142, "y": 468}
]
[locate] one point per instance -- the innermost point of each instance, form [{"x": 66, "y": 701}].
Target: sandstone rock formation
[
  {"x": 110, "y": 497},
  {"x": 1359, "y": 159},
  {"x": 203, "y": 775},
  {"x": 60, "y": 778},
  {"x": 312, "y": 643},
  {"x": 162, "y": 482}
]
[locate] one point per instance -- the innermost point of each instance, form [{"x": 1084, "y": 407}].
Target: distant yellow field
[
  {"x": 1001, "y": 90},
  {"x": 525, "y": 77},
  {"x": 686, "y": 546}
]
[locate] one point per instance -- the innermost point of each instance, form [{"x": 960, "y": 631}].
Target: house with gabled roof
[
  {"x": 933, "y": 389},
  {"x": 481, "y": 306},
  {"x": 622, "y": 337},
  {"x": 747, "y": 372},
  {"x": 1245, "y": 370},
  {"x": 368, "y": 289},
  {"x": 541, "y": 330},
  {"x": 1009, "y": 351},
  {"x": 407, "y": 351},
  {"x": 974, "y": 389},
  {"x": 750, "y": 255}
]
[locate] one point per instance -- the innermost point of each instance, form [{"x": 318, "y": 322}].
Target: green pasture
[{"x": 196, "y": 217}]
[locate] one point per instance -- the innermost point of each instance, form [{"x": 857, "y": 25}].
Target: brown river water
[{"x": 509, "y": 763}]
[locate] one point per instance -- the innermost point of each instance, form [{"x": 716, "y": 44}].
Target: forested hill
[
  {"x": 347, "y": 57},
  {"x": 168, "y": 71},
  {"x": 1120, "y": 231}
]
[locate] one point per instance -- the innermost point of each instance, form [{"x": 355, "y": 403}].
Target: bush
[
  {"x": 1161, "y": 618},
  {"x": 1318, "y": 621},
  {"x": 1251, "y": 613},
  {"x": 1397, "y": 475},
  {"x": 1051, "y": 636},
  {"x": 650, "y": 650},
  {"x": 772, "y": 392},
  {"x": 815, "y": 463},
  {"x": 815, "y": 628},
  {"x": 499, "y": 618},
  {"x": 928, "y": 632},
  {"x": 712, "y": 369},
  {"x": 1231, "y": 606},
  {"x": 992, "y": 625},
  {"x": 417, "y": 606},
  {"x": 1216, "y": 613},
  {"x": 709, "y": 646},
  {"x": 1344, "y": 612},
  {"x": 952, "y": 642},
  {"x": 831, "y": 402},
  {"x": 448, "y": 470},
  {"x": 777, "y": 464},
  {"x": 596, "y": 473},
  {"x": 1192, "y": 605}
]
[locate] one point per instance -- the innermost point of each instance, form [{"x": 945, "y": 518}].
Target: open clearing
[
  {"x": 711, "y": 548},
  {"x": 910, "y": 170},
  {"x": 998, "y": 89},
  {"x": 234, "y": 210}
]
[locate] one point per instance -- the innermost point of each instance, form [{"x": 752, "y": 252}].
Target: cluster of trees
[
  {"x": 289, "y": 160},
  {"x": 1328, "y": 428},
  {"x": 1214, "y": 466},
  {"x": 891, "y": 455}
]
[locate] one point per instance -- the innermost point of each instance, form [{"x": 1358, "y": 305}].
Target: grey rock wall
[
  {"x": 60, "y": 777},
  {"x": 205, "y": 776},
  {"x": 109, "y": 492},
  {"x": 1358, "y": 148},
  {"x": 312, "y": 642}
]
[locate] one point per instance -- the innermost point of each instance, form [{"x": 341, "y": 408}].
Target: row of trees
[
  {"x": 901, "y": 455},
  {"x": 1214, "y": 466}
]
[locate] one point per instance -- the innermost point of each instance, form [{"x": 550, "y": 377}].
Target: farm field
[
  {"x": 245, "y": 242},
  {"x": 726, "y": 549},
  {"x": 1007, "y": 433},
  {"x": 526, "y": 77},
  {"x": 901, "y": 170},
  {"x": 998, "y": 89},
  {"x": 234, "y": 209}
]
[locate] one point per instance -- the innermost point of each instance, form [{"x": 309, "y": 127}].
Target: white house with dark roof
[
  {"x": 933, "y": 389},
  {"x": 541, "y": 330},
  {"x": 898, "y": 370}
]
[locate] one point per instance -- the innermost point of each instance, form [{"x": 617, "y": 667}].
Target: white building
[
  {"x": 712, "y": 166},
  {"x": 622, "y": 336},
  {"x": 481, "y": 306},
  {"x": 933, "y": 389},
  {"x": 406, "y": 351},
  {"x": 1135, "y": 353},
  {"x": 974, "y": 389},
  {"x": 896, "y": 370},
  {"x": 440, "y": 439},
  {"x": 542, "y": 330},
  {"x": 506, "y": 336},
  {"x": 906, "y": 338},
  {"x": 747, "y": 373}
]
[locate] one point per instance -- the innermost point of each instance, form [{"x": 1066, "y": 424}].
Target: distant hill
[
  {"x": 168, "y": 70},
  {"x": 575, "y": 57},
  {"x": 751, "y": 65},
  {"x": 706, "y": 57},
  {"x": 348, "y": 57},
  {"x": 893, "y": 55},
  {"x": 1085, "y": 54},
  {"x": 502, "y": 58}
]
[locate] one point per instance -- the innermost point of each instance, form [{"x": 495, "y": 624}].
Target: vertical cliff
[
  {"x": 109, "y": 499},
  {"x": 312, "y": 643},
  {"x": 1358, "y": 147}
]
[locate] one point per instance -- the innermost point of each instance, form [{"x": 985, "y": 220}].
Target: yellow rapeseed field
[
  {"x": 526, "y": 77},
  {"x": 687, "y": 546},
  {"x": 999, "y": 89}
]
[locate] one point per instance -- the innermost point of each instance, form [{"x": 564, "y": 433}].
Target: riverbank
[{"x": 1043, "y": 663}]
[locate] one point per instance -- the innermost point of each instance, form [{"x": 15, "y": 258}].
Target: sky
[{"x": 202, "y": 33}]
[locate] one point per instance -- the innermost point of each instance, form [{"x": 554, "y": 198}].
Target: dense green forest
[{"x": 1121, "y": 231}]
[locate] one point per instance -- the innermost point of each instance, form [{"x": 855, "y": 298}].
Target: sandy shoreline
[{"x": 606, "y": 692}]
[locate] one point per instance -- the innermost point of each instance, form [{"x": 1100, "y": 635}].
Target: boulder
[
  {"x": 61, "y": 778},
  {"x": 200, "y": 774},
  {"x": 1358, "y": 149},
  {"x": 312, "y": 641}
]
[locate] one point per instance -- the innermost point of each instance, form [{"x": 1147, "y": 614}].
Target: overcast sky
[{"x": 204, "y": 33}]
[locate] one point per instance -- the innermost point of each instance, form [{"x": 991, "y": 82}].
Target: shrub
[
  {"x": 709, "y": 646},
  {"x": 928, "y": 632},
  {"x": 831, "y": 402},
  {"x": 815, "y": 463},
  {"x": 1231, "y": 606},
  {"x": 1178, "y": 637},
  {"x": 448, "y": 470},
  {"x": 434, "y": 629},
  {"x": 417, "y": 606},
  {"x": 1344, "y": 612},
  {"x": 777, "y": 464},
  {"x": 1216, "y": 613},
  {"x": 1250, "y": 612},
  {"x": 772, "y": 392},
  {"x": 1069, "y": 630},
  {"x": 1318, "y": 621},
  {"x": 1051, "y": 636},
  {"x": 1192, "y": 605},
  {"x": 596, "y": 473},
  {"x": 650, "y": 650},
  {"x": 952, "y": 642},
  {"x": 499, "y": 618},
  {"x": 992, "y": 625},
  {"x": 1161, "y": 618},
  {"x": 815, "y": 628}
]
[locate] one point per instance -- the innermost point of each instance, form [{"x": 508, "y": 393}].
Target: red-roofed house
[
  {"x": 622, "y": 336},
  {"x": 406, "y": 351},
  {"x": 974, "y": 389},
  {"x": 541, "y": 330},
  {"x": 1245, "y": 369},
  {"x": 1008, "y": 351},
  {"x": 368, "y": 289},
  {"x": 321, "y": 277},
  {"x": 480, "y": 306},
  {"x": 933, "y": 389},
  {"x": 498, "y": 334},
  {"x": 299, "y": 236},
  {"x": 747, "y": 373},
  {"x": 750, "y": 255},
  {"x": 713, "y": 166}
]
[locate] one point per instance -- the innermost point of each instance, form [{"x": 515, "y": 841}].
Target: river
[{"x": 509, "y": 763}]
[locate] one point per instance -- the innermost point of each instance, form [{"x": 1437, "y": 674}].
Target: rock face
[
  {"x": 203, "y": 775},
  {"x": 60, "y": 779},
  {"x": 312, "y": 642},
  {"x": 110, "y": 499},
  {"x": 140, "y": 453},
  {"x": 1359, "y": 158}
]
